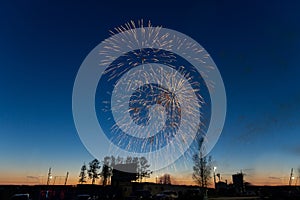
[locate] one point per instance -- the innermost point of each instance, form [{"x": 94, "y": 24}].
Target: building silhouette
[{"x": 238, "y": 182}]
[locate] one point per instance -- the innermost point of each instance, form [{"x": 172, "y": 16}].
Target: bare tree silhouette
[{"x": 202, "y": 167}]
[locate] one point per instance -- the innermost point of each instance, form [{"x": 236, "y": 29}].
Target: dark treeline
[{"x": 104, "y": 169}]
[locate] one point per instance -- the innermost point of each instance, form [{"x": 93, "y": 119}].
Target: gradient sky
[{"x": 255, "y": 44}]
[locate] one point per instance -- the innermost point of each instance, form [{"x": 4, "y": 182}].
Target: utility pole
[
  {"x": 66, "y": 179},
  {"x": 49, "y": 176}
]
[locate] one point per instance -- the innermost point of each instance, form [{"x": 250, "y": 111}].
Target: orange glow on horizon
[
  {"x": 176, "y": 179},
  {"x": 73, "y": 181}
]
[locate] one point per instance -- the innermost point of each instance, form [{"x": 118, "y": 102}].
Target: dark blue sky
[{"x": 255, "y": 45}]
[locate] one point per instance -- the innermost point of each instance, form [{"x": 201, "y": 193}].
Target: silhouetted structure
[
  {"x": 238, "y": 182},
  {"x": 124, "y": 174},
  {"x": 221, "y": 187}
]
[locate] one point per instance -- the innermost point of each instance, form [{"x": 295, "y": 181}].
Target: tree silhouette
[
  {"x": 128, "y": 160},
  {"x": 119, "y": 160},
  {"x": 106, "y": 170},
  {"x": 143, "y": 169},
  {"x": 135, "y": 160},
  {"x": 165, "y": 179},
  {"x": 112, "y": 161},
  {"x": 105, "y": 174},
  {"x": 202, "y": 167},
  {"x": 82, "y": 175},
  {"x": 94, "y": 166}
]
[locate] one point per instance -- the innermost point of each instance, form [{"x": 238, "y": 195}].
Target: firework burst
[
  {"x": 156, "y": 96},
  {"x": 153, "y": 94}
]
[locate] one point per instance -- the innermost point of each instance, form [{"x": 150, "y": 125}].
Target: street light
[{"x": 215, "y": 175}]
